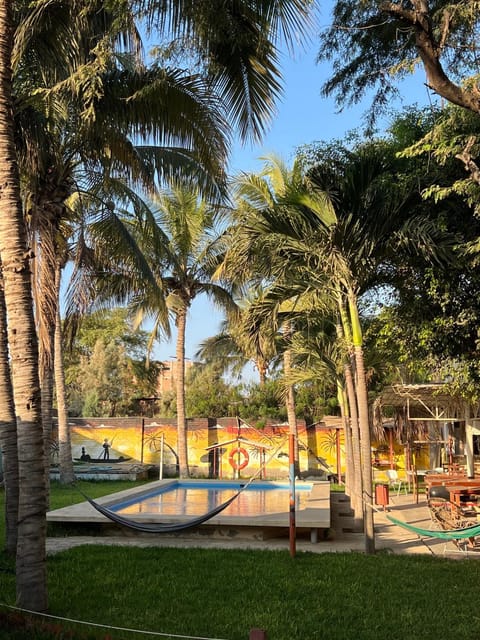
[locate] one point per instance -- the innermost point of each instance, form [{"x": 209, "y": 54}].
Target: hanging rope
[{"x": 104, "y": 626}]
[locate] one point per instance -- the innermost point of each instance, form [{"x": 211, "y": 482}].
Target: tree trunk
[
  {"x": 364, "y": 426},
  {"x": 8, "y": 436},
  {"x": 344, "y": 412},
  {"x": 46, "y": 303},
  {"x": 182, "y": 445},
  {"x": 262, "y": 368},
  {"x": 67, "y": 475},
  {"x": 356, "y": 472},
  {"x": 30, "y": 564},
  {"x": 46, "y": 386},
  {"x": 290, "y": 405},
  {"x": 344, "y": 335}
]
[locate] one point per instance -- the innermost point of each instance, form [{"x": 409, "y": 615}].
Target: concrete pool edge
[{"x": 315, "y": 516}]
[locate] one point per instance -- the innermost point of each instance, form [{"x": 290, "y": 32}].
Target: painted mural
[{"x": 225, "y": 448}]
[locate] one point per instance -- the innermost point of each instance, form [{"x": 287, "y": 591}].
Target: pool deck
[
  {"x": 314, "y": 517},
  {"x": 389, "y": 538}
]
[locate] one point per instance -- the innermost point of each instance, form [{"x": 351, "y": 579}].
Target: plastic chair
[{"x": 395, "y": 482}]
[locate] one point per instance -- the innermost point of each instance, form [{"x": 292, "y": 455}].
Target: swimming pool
[
  {"x": 196, "y": 498},
  {"x": 266, "y": 511}
]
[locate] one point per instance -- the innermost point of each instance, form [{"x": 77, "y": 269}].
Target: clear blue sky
[{"x": 303, "y": 116}]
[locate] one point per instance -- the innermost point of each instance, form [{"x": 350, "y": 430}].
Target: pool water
[{"x": 196, "y": 498}]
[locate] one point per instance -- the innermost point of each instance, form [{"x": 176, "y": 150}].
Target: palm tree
[
  {"x": 236, "y": 46},
  {"x": 119, "y": 97},
  {"x": 70, "y": 142},
  {"x": 181, "y": 247},
  {"x": 23, "y": 349},
  {"x": 67, "y": 474},
  {"x": 281, "y": 216},
  {"x": 351, "y": 410},
  {"x": 266, "y": 212},
  {"x": 8, "y": 436},
  {"x": 344, "y": 252},
  {"x": 378, "y": 219}
]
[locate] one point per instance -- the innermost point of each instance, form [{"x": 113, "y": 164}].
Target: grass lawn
[{"x": 223, "y": 594}]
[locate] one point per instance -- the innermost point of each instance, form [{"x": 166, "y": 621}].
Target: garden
[{"x": 223, "y": 594}]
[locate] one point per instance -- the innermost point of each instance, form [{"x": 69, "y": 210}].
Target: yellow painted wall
[
  {"x": 317, "y": 447},
  {"x": 269, "y": 447}
]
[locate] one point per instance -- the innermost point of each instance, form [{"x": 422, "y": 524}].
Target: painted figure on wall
[{"x": 106, "y": 449}]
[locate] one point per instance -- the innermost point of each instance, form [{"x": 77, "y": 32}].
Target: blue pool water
[{"x": 196, "y": 498}]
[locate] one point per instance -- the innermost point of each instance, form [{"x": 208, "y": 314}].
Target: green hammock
[{"x": 444, "y": 534}]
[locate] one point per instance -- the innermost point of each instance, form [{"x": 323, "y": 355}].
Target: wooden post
[
  {"x": 390, "y": 448},
  {"x": 257, "y": 634},
  {"x": 143, "y": 436}
]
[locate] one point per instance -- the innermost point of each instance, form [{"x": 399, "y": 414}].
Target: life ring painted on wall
[{"x": 235, "y": 458}]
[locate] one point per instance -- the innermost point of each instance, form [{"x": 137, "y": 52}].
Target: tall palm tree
[
  {"x": 379, "y": 218},
  {"x": 344, "y": 251},
  {"x": 67, "y": 474},
  {"x": 265, "y": 213},
  {"x": 181, "y": 244},
  {"x": 351, "y": 409},
  {"x": 120, "y": 97},
  {"x": 81, "y": 142},
  {"x": 8, "y": 436},
  {"x": 23, "y": 349}
]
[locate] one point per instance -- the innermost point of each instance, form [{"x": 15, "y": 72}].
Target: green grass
[
  {"x": 223, "y": 594},
  {"x": 65, "y": 495}
]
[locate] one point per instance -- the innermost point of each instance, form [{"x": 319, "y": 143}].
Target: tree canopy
[
  {"x": 106, "y": 368},
  {"x": 374, "y": 43}
]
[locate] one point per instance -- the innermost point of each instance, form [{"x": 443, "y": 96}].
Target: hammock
[
  {"x": 161, "y": 527},
  {"x": 444, "y": 534},
  {"x": 171, "y": 527}
]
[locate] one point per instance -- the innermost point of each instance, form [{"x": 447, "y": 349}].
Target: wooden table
[{"x": 458, "y": 491}]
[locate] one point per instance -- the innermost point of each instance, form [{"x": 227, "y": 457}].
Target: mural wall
[{"x": 224, "y": 448}]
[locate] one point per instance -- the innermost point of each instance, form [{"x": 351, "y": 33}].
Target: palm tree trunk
[
  {"x": 182, "y": 446},
  {"x": 356, "y": 473},
  {"x": 46, "y": 302},
  {"x": 262, "y": 368},
  {"x": 30, "y": 565},
  {"x": 344, "y": 412},
  {"x": 290, "y": 406},
  {"x": 290, "y": 397},
  {"x": 8, "y": 436},
  {"x": 67, "y": 475},
  {"x": 364, "y": 425},
  {"x": 344, "y": 335},
  {"x": 46, "y": 386}
]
